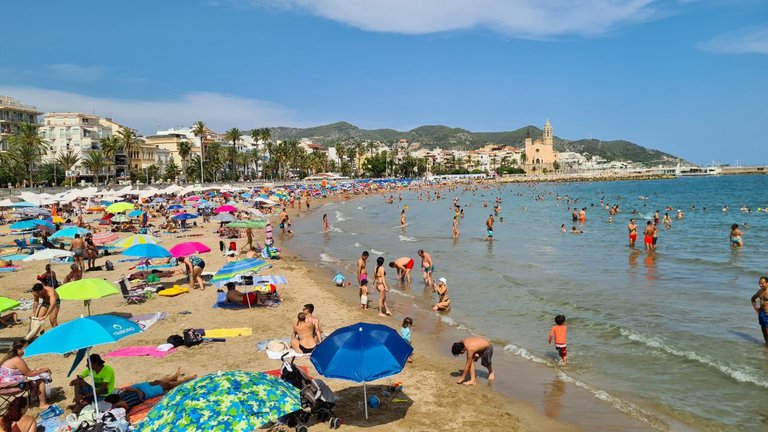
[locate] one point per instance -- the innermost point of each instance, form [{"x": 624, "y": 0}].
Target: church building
[{"x": 540, "y": 155}]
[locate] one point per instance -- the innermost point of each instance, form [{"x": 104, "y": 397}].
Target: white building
[
  {"x": 76, "y": 132},
  {"x": 12, "y": 114}
]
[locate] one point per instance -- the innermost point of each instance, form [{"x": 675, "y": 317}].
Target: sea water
[{"x": 669, "y": 334}]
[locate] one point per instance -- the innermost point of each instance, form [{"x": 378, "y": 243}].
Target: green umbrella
[
  {"x": 233, "y": 401},
  {"x": 7, "y": 304},
  {"x": 87, "y": 290},
  {"x": 247, "y": 223}
]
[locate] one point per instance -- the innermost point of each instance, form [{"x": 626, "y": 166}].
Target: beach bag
[
  {"x": 192, "y": 338},
  {"x": 109, "y": 265},
  {"x": 175, "y": 340}
]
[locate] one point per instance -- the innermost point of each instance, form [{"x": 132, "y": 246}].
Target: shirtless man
[
  {"x": 427, "y": 266},
  {"x": 305, "y": 335},
  {"x": 456, "y": 227},
  {"x": 762, "y": 310},
  {"x": 362, "y": 275},
  {"x": 237, "y": 297},
  {"x": 476, "y": 348},
  {"x": 632, "y": 227},
  {"x": 309, "y": 310},
  {"x": 403, "y": 265},
  {"x": 648, "y": 236},
  {"x": 489, "y": 227},
  {"x": 49, "y": 302},
  {"x": 283, "y": 216},
  {"x": 78, "y": 248}
]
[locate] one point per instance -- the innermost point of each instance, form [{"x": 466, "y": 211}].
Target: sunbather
[
  {"x": 235, "y": 296},
  {"x": 137, "y": 393},
  {"x": 10, "y": 319}
]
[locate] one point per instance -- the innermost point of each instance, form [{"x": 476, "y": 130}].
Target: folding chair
[
  {"x": 23, "y": 246},
  {"x": 9, "y": 392},
  {"x": 131, "y": 296}
]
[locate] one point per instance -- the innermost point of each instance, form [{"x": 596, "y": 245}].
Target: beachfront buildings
[
  {"x": 540, "y": 155},
  {"x": 12, "y": 114}
]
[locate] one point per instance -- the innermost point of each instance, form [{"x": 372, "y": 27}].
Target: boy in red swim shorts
[{"x": 559, "y": 333}]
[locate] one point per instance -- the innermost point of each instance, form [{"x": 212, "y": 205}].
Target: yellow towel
[{"x": 225, "y": 333}]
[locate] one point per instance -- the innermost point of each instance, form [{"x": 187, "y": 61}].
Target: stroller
[{"x": 317, "y": 399}]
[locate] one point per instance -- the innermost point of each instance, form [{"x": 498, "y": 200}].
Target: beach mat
[
  {"x": 15, "y": 257},
  {"x": 147, "y": 320},
  {"x": 273, "y": 279},
  {"x": 222, "y": 303},
  {"x": 228, "y": 333},
  {"x": 9, "y": 269},
  {"x": 139, "y": 351},
  {"x": 140, "y": 411}
]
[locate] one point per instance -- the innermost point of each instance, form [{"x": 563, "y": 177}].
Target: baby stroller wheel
[
  {"x": 301, "y": 428},
  {"x": 334, "y": 423}
]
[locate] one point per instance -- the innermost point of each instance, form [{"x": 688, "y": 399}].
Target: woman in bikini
[
  {"x": 380, "y": 282},
  {"x": 444, "y": 302},
  {"x": 16, "y": 418},
  {"x": 736, "y": 236},
  {"x": 195, "y": 266},
  {"x": 305, "y": 335}
]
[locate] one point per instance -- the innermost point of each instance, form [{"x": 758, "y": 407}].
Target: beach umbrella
[
  {"x": 23, "y": 225},
  {"x": 135, "y": 213},
  {"x": 8, "y": 304},
  {"x": 135, "y": 240},
  {"x": 104, "y": 237},
  {"x": 48, "y": 254},
  {"x": 119, "y": 218},
  {"x": 119, "y": 207},
  {"x": 225, "y": 217},
  {"x": 193, "y": 198},
  {"x": 205, "y": 204},
  {"x": 82, "y": 333},
  {"x": 233, "y": 269},
  {"x": 45, "y": 225},
  {"x": 69, "y": 232},
  {"x": 188, "y": 248},
  {"x": 147, "y": 250},
  {"x": 22, "y": 204},
  {"x": 226, "y": 209},
  {"x": 176, "y": 207},
  {"x": 184, "y": 216},
  {"x": 361, "y": 352},
  {"x": 232, "y": 401},
  {"x": 87, "y": 289},
  {"x": 247, "y": 223}
]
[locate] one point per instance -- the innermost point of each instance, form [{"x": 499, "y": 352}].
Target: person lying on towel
[
  {"x": 135, "y": 394},
  {"x": 237, "y": 297}
]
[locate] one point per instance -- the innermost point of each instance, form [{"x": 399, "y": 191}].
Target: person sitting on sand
[
  {"x": 74, "y": 274},
  {"x": 305, "y": 335},
  {"x": 10, "y": 319},
  {"x": 237, "y": 297},
  {"x": 309, "y": 310},
  {"x": 103, "y": 376},
  {"x": 476, "y": 348},
  {"x": 403, "y": 265}
]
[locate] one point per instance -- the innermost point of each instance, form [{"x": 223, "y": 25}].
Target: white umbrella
[{"x": 48, "y": 254}]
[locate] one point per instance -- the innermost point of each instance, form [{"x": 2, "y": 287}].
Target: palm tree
[
  {"x": 26, "y": 146},
  {"x": 96, "y": 161},
  {"x": 233, "y": 135},
  {"x": 129, "y": 142},
  {"x": 200, "y": 130},
  {"x": 68, "y": 159},
  {"x": 110, "y": 146},
  {"x": 185, "y": 149}
]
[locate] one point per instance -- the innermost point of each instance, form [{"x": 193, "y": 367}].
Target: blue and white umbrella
[
  {"x": 184, "y": 216},
  {"x": 69, "y": 232}
]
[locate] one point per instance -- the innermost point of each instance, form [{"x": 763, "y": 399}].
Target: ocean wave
[
  {"x": 745, "y": 375},
  {"x": 524, "y": 353},
  {"x": 401, "y": 293},
  {"x": 327, "y": 258},
  {"x": 334, "y": 229},
  {"x": 361, "y": 207},
  {"x": 340, "y": 216},
  {"x": 406, "y": 238},
  {"x": 377, "y": 252},
  {"x": 446, "y": 319},
  {"x": 358, "y": 245}
]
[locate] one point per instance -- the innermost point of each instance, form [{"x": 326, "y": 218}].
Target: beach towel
[
  {"x": 140, "y": 411},
  {"x": 228, "y": 333},
  {"x": 9, "y": 269},
  {"x": 146, "y": 321},
  {"x": 139, "y": 351},
  {"x": 222, "y": 303},
  {"x": 273, "y": 279},
  {"x": 15, "y": 257}
]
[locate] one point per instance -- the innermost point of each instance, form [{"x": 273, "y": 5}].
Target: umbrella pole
[
  {"x": 93, "y": 382},
  {"x": 365, "y": 400}
]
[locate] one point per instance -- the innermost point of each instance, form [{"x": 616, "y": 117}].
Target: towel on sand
[
  {"x": 139, "y": 351},
  {"x": 221, "y": 302},
  {"x": 9, "y": 269},
  {"x": 227, "y": 333},
  {"x": 146, "y": 321},
  {"x": 140, "y": 411}
]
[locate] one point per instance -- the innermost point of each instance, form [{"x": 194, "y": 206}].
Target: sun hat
[
  {"x": 443, "y": 280},
  {"x": 276, "y": 349}
]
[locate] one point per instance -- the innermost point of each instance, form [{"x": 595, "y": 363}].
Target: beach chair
[
  {"x": 9, "y": 392},
  {"x": 131, "y": 296},
  {"x": 23, "y": 246}
]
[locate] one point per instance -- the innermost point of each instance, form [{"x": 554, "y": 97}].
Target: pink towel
[{"x": 139, "y": 351}]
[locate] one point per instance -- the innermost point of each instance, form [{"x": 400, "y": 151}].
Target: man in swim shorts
[
  {"x": 237, "y": 297},
  {"x": 428, "y": 266},
  {"x": 762, "y": 309},
  {"x": 403, "y": 265},
  {"x": 632, "y": 227},
  {"x": 489, "y": 227},
  {"x": 476, "y": 348},
  {"x": 648, "y": 236}
]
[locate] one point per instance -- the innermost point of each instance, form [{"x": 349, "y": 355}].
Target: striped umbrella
[
  {"x": 104, "y": 237},
  {"x": 236, "y": 268},
  {"x": 136, "y": 239}
]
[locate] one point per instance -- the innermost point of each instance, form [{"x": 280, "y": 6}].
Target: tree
[
  {"x": 171, "y": 171},
  {"x": 556, "y": 166},
  {"x": 233, "y": 136},
  {"x": 129, "y": 142},
  {"x": 95, "y": 162},
  {"x": 68, "y": 159},
  {"x": 200, "y": 130},
  {"x": 185, "y": 149},
  {"x": 110, "y": 146},
  {"x": 376, "y": 166},
  {"x": 26, "y": 147}
]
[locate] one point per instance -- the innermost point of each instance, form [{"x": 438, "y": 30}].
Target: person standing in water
[
  {"x": 326, "y": 225},
  {"x": 427, "y": 265},
  {"x": 402, "y": 218},
  {"x": 380, "y": 282},
  {"x": 455, "y": 227},
  {"x": 667, "y": 221},
  {"x": 736, "y": 236},
  {"x": 648, "y": 236},
  {"x": 762, "y": 309},
  {"x": 489, "y": 227},
  {"x": 403, "y": 265},
  {"x": 632, "y": 227}
]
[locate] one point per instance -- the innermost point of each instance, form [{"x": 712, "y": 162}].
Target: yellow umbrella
[{"x": 119, "y": 207}]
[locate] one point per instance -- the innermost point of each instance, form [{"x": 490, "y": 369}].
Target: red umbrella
[
  {"x": 188, "y": 248},
  {"x": 226, "y": 209}
]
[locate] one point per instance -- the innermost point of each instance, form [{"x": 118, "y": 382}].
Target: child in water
[
  {"x": 405, "y": 332},
  {"x": 559, "y": 333}
]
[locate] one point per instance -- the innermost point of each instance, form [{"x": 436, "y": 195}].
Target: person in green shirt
[{"x": 103, "y": 376}]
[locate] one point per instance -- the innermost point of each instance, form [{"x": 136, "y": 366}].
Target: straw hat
[{"x": 276, "y": 349}]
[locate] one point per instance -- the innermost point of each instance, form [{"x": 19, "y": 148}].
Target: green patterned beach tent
[{"x": 233, "y": 401}]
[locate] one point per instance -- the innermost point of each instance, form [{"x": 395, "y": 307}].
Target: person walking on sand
[
  {"x": 762, "y": 309},
  {"x": 632, "y": 228},
  {"x": 428, "y": 267},
  {"x": 403, "y": 265},
  {"x": 248, "y": 240},
  {"x": 476, "y": 348},
  {"x": 380, "y": 282},
  {"x": 559, "y": 333},
  {"x": 489, "y": 227},
  {"x": 362, "y": 279}
]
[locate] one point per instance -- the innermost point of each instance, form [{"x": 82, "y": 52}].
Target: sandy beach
[{"x": 434, "y": 401}]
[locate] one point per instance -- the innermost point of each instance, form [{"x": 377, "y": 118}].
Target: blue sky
[{"x": 684, "y": 76}]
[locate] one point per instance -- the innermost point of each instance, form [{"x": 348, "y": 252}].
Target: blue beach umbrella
[
  {"x": 184, "y": 216},
  {"x": 135, "y": 213},
  {"x": 361, "y": 352},
  {"x": 147, "y": 250},
  {"x": 176, "y": 207},
  {"x": 24, "y": 225},
  {"x": 69, "y": 232},
  {"x": 22, "y": 204},
  {"x": 44, "y": 224}
]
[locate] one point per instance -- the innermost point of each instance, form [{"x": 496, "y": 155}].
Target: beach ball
[{"x": 374, "y": 401}]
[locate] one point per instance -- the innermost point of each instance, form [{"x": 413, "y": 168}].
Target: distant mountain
[{"x": 432, "y": 136}]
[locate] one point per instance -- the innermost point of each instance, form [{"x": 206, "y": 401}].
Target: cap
[{"x": 443, "y": 280}]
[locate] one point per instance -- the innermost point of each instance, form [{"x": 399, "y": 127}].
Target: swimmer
[
  {"x": 455, "y": 227},
  {"x": 402, "y": 218},
  {"x": 489, "y": 227},
  {"x": 326, "y": 225},
  {"x": 632, "y": 227},
  {"x": 735, "y": 236}
]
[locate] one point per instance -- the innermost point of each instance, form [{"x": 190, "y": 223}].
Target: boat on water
[{"x": 696, "y": 171}]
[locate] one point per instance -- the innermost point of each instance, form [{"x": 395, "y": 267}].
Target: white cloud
[
  {"x": 744, "y": 40},
  {"x": 218, "y": 111},
  {"x": 74, "y": 72},
  {"x": 519, "y": 18}
]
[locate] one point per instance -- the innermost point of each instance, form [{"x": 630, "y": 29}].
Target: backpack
[
  {"x": 175, "y": 340},
  {"x": 109, "y": 265},
  {"x": 192, "y": 338}
]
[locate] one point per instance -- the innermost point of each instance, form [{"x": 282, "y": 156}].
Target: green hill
[{"x": 431, "y": 136}]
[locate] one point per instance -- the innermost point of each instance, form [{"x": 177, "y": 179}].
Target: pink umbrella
[
  {"x": 193, "y": 198},
  {"x": 104, "y": 237},
  {"x": 226, "y": 209},
  {"x": 188, "y": 248}
]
